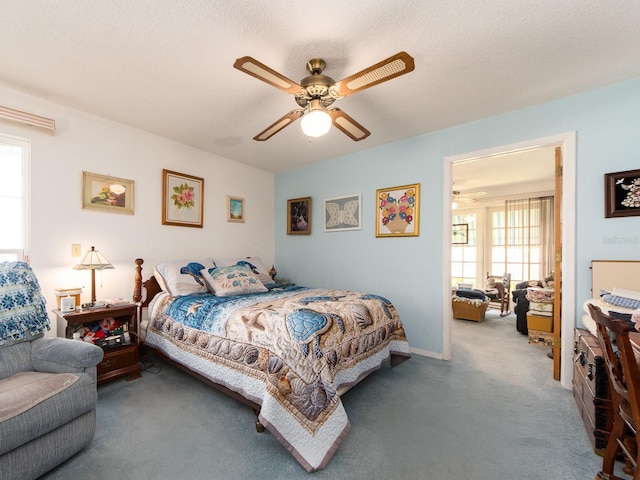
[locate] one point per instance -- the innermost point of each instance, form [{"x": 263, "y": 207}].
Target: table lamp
[{"x": 93, "y": 260}]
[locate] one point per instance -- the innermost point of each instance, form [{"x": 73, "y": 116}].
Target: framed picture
[
  {"x": 182, "y": 199},
  {"x": 235, "y": 209},
  {"x": 299, "y": 216},
  {"x": 397, "y": 211},
  {"x": 460, "y": 233},
  {"x": 107, "y": 193},
  {"x": 342, "y": 213},
  {"x": 622, "y": 194}
]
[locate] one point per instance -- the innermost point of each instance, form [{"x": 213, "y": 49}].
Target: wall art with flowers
[
  {"x": 622, "y": 194},
  {"x": 182, "y": 199},
  {"x": 397, "y": 211},
  {"x": 107, "y": 193}
]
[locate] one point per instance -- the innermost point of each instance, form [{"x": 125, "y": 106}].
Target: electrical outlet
[{"x": 76, "y": 250}]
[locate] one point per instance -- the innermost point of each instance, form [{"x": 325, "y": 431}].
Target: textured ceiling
[{"x": 166, "y": 66}]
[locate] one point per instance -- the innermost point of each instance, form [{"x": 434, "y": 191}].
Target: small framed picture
[
  {"x": 107, "y": 193},
  {"x": 622, "y": 194},
  {"x": 235, "y": 209},
  {"x": 460, "y": 234},
  {"x": 397, "y": 211},
  {"x": 342, "y": 213},
  {"x": 182, "y": 199},
  {"x": 299, "y": 216}
]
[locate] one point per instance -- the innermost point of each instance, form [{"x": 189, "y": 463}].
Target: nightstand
[{"x": 119, "y": 358}]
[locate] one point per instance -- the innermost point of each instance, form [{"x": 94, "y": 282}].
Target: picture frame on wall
[
  {"x": 182, "y": 199},
  {"x": 622, "y": 194},
  {"x": 343, "y": 213},
  {"x": 460, "y": 234},
  {"x": 235, "y": 209},
  {"x": 299, "y": 216},
  {"x": 107, "y": 194},
  {"x": 398, "y": 211}
]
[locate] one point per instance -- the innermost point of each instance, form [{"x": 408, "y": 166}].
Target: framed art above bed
[
  {"x": 235, "y": 209},
  {"x": 182, "y": 199},
  {"x": 107, "y": 194}
]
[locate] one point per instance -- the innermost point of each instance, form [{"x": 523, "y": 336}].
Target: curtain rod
[{"x": 28, "y": 118}]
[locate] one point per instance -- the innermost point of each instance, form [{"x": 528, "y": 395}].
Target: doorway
[{"x": 567, "y": 143}]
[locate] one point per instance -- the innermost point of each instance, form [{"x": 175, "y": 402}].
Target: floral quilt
[{"x": 289, "y": 350}]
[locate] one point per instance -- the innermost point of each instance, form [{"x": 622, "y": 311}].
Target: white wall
[
  {"x": 410, "y": 270},
  {"x": 85, "y": 142}
]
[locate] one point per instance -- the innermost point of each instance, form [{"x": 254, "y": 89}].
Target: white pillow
[
  {"x": 233, "y": 280},
  {"x": 256, "y": 266},
  {"x": 182, "y": 277},
  {"x": 621, "y": 292}
]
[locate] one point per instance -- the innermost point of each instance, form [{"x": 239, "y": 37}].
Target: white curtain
[{"x": 529, "y": 225}]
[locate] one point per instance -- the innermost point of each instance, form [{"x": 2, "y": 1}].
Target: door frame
[{"x": 567, "y": 141}]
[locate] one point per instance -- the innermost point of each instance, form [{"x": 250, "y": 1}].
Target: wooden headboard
[
  {"x": 609, "y": 274},
  {"x": 150, "y": 286}
]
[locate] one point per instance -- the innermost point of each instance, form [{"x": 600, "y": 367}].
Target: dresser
[{"x": 591, "y": 389}]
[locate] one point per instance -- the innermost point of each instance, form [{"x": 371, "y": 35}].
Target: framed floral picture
[
  {"x": 106, "y": 193},
  {"x": 397, "y": 211},
  {"x": 299, "y": 216},
  {"x": 342, "y": 213},
  {"x": 182, "y": 199},
  {"x": 235, "y": 209},
  {"x": 622, "y": 194}
]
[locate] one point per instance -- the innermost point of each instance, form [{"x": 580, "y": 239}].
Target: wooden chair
[
  {"x": 624, "y": 379},
  {"x": 498, "y": 290}
]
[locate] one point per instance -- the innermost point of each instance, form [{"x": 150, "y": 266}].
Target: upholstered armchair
[{"x": 48, "y": 389}]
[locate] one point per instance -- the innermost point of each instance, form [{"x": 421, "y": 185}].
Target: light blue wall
[{"x": 409, "y": 270}]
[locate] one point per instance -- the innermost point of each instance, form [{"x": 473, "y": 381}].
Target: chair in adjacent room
[
  {"x": 498, "y": 289},
  {"x": 624, "y": 379}
]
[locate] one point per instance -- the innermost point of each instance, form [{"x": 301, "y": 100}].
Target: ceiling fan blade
[
  {"x": 278, "y": 125},
  {"x": 260, "y": 71},
  {"x": 392, "y": 67},
  {"x": 348, "y": 125}
]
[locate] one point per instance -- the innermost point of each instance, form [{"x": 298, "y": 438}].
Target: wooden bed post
[{"x": 137, "y": 281}]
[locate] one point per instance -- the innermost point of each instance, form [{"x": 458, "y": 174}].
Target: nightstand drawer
[{"x": 119, "y": 361}]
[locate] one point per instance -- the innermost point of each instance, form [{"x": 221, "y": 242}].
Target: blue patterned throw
[{"x": 22, "y": 306}]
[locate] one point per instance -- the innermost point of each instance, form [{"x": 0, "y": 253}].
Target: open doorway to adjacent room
[{"x": 487, "y": 186}]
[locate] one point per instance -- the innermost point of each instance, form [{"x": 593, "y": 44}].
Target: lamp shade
[
  {"x": 93, "y": 260},
  {"x": 316, "y": 122}
]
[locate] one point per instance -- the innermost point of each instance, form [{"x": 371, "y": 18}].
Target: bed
[{"x": 286, "y": 351}]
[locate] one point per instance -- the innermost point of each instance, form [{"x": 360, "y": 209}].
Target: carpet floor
[{"x": 492, "y": 412}]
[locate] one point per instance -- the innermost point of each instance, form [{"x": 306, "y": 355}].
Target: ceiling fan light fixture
[{"x": 316, "y": 122}]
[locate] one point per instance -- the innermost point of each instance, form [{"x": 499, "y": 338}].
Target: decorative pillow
[
  {"x": 23, "y": 310},
  {"x": 182, "y": 277},
  {"x": 619, "y": 301},
  {"x": 234, "y": 280},
  {"x": 490, "y": 283},
  {"x": 255, "y": 263}
]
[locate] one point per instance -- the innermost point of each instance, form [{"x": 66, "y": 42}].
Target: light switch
[{"x": 76, "y": 250}]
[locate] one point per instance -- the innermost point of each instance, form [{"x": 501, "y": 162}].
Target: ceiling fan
[
  {"x": 466, "y": 198},
  {"x": 316, "y": 93}
]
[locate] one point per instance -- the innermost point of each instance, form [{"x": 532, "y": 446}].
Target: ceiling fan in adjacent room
[
  {"x": 316, "y": 93},
  {"x": 465, "y": 198}
]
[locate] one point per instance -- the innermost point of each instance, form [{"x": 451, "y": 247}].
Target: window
[
  {"x": 14, "y": 198},
  {"x": 464, "y": 257},
  {"x": 522, "y": 239}
]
